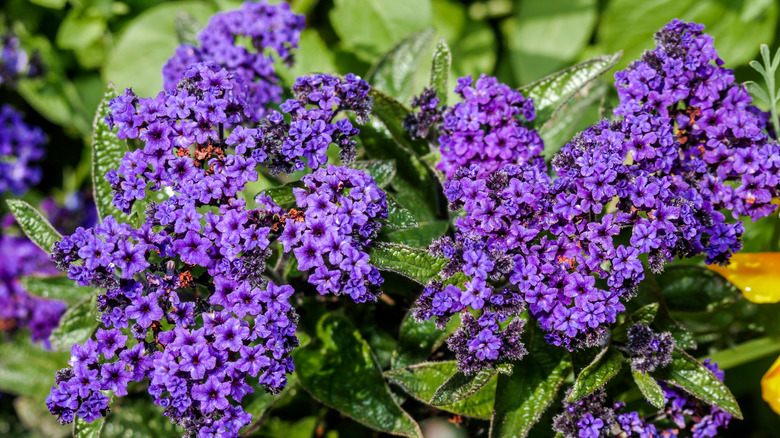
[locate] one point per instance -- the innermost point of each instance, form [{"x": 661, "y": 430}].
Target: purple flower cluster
[
  {"x": 341, "y": 209},
  {"x": 418, "y": 124},
  {"x": 267, "y": 27},
  {"x": 20, "y": 146},
  {"x": 649, "y": 350},
  {"x": 14, "y": 61},
  {"x": 186, "y": 132},
  {"x": 596, "y": 417},
  {"x": 488, "y": 128}
]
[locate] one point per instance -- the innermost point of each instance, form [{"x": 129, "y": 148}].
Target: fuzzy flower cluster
[
  {"x": 21, "y": 145},
  {"x": 418, "y": 124},
  {"x": 488, "y": 128},
  {"x": 267, "y": 27},
  {"x": 596, "y": 417},
  {"x": 14, "y": 61},
  {"x": 649, "y": 350}
]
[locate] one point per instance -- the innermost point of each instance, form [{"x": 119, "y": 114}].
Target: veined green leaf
[
  {"x": 413, "y": 263},
  {"x": 398, "y": 218},
  {"x": 461, "y": 386},
  {"x": 394, "y": 73},
  {"x": 649, "y": 388},
  {"x": 77, "y": 324},
  {"x": 382, "y": 171},
  {"x": 440, "y": 71},
  {"x": 597, "y": 374},
  {"x": 418, "y": 339},
  {"x": 28, "y": 369},
  {"x": 690, "y": 288},
  {"x": 392, "y": 112},
  {"x": 55, "y": 288},
  {"x": 34, "y": 225}
]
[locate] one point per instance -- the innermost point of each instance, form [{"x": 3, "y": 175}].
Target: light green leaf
[
  {"x": 283, "y": 195},
  {"x": 649, "y": 388},
  {"x": 691, "y": 376},
  {"x": 82, "y": 429},
  {"x": 34, "y": 225},
  {"x": 55, "y": 288},
  {"x": 382, "y": 171},
  {"x": 413, "y": 263},
  {"x": 440, "y": 71},
  {"x": 394, "y": 73},
  {"x": 77, "y": 31},
  {"x": 27, "y": 369},
  {"x": 418, "y": 339},
  {"x": 339, "y": 370},
  {"x": 77, "y": 324},
  {"x": 421, "y": 381},
  {"x": 597, "y": 374},
  {"x": 107, "y": 154},
  {"x": 461, "y": 386},
  {"x": 746, "y": 352}
]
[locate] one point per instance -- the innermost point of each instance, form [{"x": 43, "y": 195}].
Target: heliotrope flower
[{"x": 21, "y": 145}]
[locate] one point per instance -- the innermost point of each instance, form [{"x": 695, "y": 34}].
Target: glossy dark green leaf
[
  {"x": 554, "y": 91},
  {"x": 28, "y": 369},
  {"x": 379, "y": 144},
  {"x": 440, "y": 71},
  {"x": 34, "y": 224},
  {"x": 398, "y": 217},
  {"x": 418, "y": 339},
  {"x": 339, "y": 370},
  {"x": 77, "y": 324},
  {"x": 693, "y": 377},
  {"x": 606, "y": 365},
  {"x": 414, "y": 199},
  {"x": 461, "y": 386},
  {"x": 649, "y": 388},
  {"x": 421, "y": 236},
  {"x": 422, "y": 380},
  {"x": 644, "y": 315},
  {"x": 382, "y": 171},
  {"x": 392, "y": 112},
  {"x": 648, "y": 293},
  {"x": 522, "y": 398},
  {"x": 55, "y": 288},
  {"x": 394, "y": 73},
  {"x": 107, "y": 154},
  {"x": 413, "y": 263},
  {"x": 690, "y": 288}
]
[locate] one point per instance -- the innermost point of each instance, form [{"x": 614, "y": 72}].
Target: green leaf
[
  {"x": 418, "y": 339},
  {"x": 649, "y": 388},
  {"x": 82, "y": 429},
  {"x": 440, "y": 71},
  {"x": 260, "y": 402},
  {"x": 339, "y": 370},
  {"x": 394, "y": 73},
  {"x": 461, "y": 386},
  {"x": 644, "y": 315},
  {"x": 107, "y": 154},
  {"x": 413, "y": 263},
  {"x": 398, "y": 218},
  {"x": 746, "y": 352},
  {"x": 422, "y": 380},
  {"x": 522, "y": 398},
  {"x": 27, "y": 369},
  {"x": 283, "y": 195},
  {"x": 53, "y": 4},
  {"x": 419, "y": 237},
  {"x": 55, "y": 288},
  {"x": 392, "y": 112},
  {"x": 691, "y": 376},
  {"x": 545, "y": 35},
  {"x": 597, "y": 374},
  {"x": 187, "y": 29},
  {"x": 577, "y": 114},
  {"x": 382, "y": 171},
  {"x": 77, "y": 31},
  {"x": 554, "y": 91},
  {"x": 372, "y": 27},
  {"x": 77, "y": 324},
  {"x": 690, "y": 288},
  {"x": 34, "y": 225}
]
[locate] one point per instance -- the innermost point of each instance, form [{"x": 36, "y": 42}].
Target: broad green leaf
[
  {"x": 382, "y": 171},
  {"x": 576, "y": 115},
  {"x": 146, "y": 43},
  {"x": 107, "y": 154},
  {"x": 55, "y": 288},
  {"x": 418, "y": 339},
  {"x": 461, "y": 386},
  {"x": 648, "y": 293},
  {"x": 392, "y": 112},
  {"x": 746, "y": 352},
  {"x": 690, "y": 288},
  {"x": 82, "y": 429},
  {"x": 545, "y": 35},
  {"x": 282, "y": 195},
  {"x": 691, "y": 376},
  {"x": 414, "y": 200},
  {"x": 440, "y": 71},
  {"x": 413, "y": 263},
  {"x": 554, "y": 91},
  {"x": 34, "y": 225},
  {"x": 650, "y": 389},
  {"x": 398, "y": 218},
  {"x": 28, "y": 369},
  {"x": 394, "y": 73},
  {"x": 339, "y": 370},
  {"x": 597, "y": 374},
  {"x": 644, "y": 315},
  {"x": 77, "y": 31},
  {"x": 372, "y": 27},
  {"x": 422, "y": 380},
  {"x": 77, "y": 324},
  {"x": 419, "y": 237},
  {"x": 522, "y": 398}
]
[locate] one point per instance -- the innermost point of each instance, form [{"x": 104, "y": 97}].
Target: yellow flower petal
[
  {"x": 770, "y": 386},
  {"x": 756, "y": 274}
]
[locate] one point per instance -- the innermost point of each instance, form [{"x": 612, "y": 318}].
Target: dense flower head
[
  {"x": 649, "y": 350},
  {"x": 186, "y": 134},
  {"x": 418, "y": 124},
  {"x": 488, "y": 128},
  {"x": 596, "y": 416},
  {"x": 269, "y": 28},
  {"x": 21, "y": 145}
]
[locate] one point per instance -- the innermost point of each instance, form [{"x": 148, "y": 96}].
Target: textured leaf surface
[
  {"x": 522, "y": 398},
  {"x": 422, "y": 380},
  {"x": 107, "y": 154},
  {"x": 461, "y": 386},
  {"x": 421, "y": 236},
  {"x": 690, "y": 375},
  {"x": 606, "y": 365},
  {"x": 55, "y": 288},
  {"x": 34, "y": 225},
  {"x": 695, "y": 289},
  {"x": 398, "y": 217},
  {"x": 414, "y": 263},
  {"x": 554, "y": 91},
  {"x": 82, "y": 429},
  {"x": 382, "y": 171},
  {"x": 649, "y": 388},
  {"x": 392, "y": 112},
  {"x": 338, "y": 369},
  {"x": 418, "y": 339},
  {"x": 440, "y": 70},
  {"x": 76, "y": 325},
  {"x": 394, "y": 73}
]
